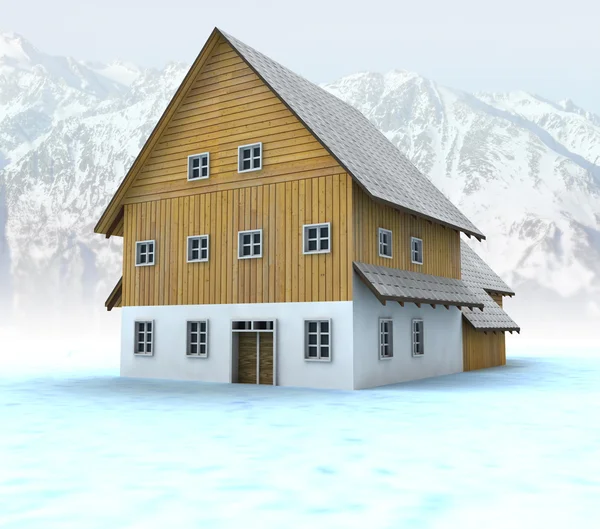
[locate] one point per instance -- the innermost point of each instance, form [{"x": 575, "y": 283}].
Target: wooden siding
[
  {"x": 441, "y": 246},
  {"x": 497, "y": 298},
  {"x": 226, "y": 106},
  {"x": 283, "y": 274},
  {"x": 481, "y": 350}
]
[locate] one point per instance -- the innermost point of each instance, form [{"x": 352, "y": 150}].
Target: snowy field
[{"x": 512, "y": 447}]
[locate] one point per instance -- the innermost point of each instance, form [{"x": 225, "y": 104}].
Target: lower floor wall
[
  {"x": 450, "y": 344},
  {"x": 169, "y": 359},
  {"x": 481, "y": 349},
  {"x": 442, "y": 353}
]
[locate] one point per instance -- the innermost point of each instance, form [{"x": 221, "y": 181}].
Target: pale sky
[{"x": 548, "y": 47}]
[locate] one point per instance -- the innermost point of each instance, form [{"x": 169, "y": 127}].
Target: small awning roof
[
  {"x": 115, "y": 297},
  {"x": 413, "y": 287},
  {"x": 492, "y": 318}
]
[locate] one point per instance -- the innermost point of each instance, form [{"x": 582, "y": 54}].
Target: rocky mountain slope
[{"x": 524, "y": 169}]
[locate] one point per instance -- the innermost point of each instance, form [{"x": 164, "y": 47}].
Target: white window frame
[
  {"x": 199, "y": 342},
  {"x": 381, "y": 232},
  {"x": 251, "y": 256},
  {"x": 390, "y": 341},
  {"x": 146, "y": 341},
  {"x": 319, "y": 345},
  {"x": 250, "y": 146},
  {"x": 412, "y": 251},
  {"x": 422, "y": 337},
  {"x": 138, "y": 254},
  {"x": 200, "y": 156},
  {"x": 319, "y": 225},
  {"x": 200, "y": 238}
]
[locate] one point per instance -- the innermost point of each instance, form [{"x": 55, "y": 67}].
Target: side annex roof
[{"x": 481, "y": 279}]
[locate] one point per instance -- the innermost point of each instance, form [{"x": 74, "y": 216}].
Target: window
[
  {"x": 250, "y": 157},
  {"x": 198, "y": 166},
  {"x": 143, "y": 338},
  {"x": 385, "y": 338},
  {"x": 417, "y": 338},
  {"x": 197, "y": 248},
  {"x": 317, "y": 238},
  {"x": 318, "y": 340},
  {"x": 416, "y": 250},
  {"x": 250, "y": 244},
  {"x": 197, "y": 338},
  {"x": 385, "y": 243},
  {"x": 144, "y": 253}
]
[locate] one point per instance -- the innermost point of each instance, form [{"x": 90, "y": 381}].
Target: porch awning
[{"x": 413, "y": 287}]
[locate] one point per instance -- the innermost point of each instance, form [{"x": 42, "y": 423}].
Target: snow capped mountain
[{"x": 523, "y": 169}]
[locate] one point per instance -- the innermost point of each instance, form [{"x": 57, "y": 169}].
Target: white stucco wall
[
  {"x": 442, "y": 340},
  {"x": 170, "y": 361}
]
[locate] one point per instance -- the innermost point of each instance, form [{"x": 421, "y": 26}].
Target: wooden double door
[{"x": 255, "y": 357}]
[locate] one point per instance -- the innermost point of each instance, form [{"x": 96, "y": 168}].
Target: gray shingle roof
[
  {"x": 475, "y": 271},
  {"x": 374, "y": 162},
  {"x": 479, "y": 277},
  {"x": 401, "y": 285}
]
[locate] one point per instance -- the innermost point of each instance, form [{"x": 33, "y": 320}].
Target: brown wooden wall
[
  {"x": 441, "y": 246},
  {"x": 283, "y": 274},
  {"x": 482, "y": 350},
  {"x": 228, "y": 105},
  {"x": 497, "y": 298}
]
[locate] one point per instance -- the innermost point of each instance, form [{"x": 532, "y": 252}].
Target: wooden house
[{"x": 272, "y": 235}]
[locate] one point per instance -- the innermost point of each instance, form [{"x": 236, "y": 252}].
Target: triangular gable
[{"x": 113, "y": 212}]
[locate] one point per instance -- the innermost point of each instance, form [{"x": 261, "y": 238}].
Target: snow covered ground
[{"x": 512, "y": 447}]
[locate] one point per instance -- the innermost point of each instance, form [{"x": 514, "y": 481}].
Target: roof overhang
[{"x": 115, "y": 299}]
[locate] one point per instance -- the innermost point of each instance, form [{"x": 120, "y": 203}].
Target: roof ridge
[{"x": 378, "y": 166}]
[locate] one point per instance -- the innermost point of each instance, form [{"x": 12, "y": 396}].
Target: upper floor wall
[{"x": 440, "y": 245}]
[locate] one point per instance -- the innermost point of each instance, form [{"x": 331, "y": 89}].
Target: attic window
[
  {"x": 416, "y": 250},
  {"x": 249, "y": 157},
  {"x": 198, "y": 166}
]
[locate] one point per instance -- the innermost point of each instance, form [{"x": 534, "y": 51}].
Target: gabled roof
[
  {"x": 369, "y": 157},
  {"x": 394, "y": 284},
  {"x": 373, "y": 161},
  {"x": 481, "y": 279}
]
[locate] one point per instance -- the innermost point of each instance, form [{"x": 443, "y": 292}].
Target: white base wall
[
  {"x": 170, "y": 361},
  {"x": 442, "y": 340}
]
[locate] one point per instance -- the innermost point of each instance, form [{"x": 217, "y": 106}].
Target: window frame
[
  {"x": 136, "y": 341},
  {"x": 188, "y": 333},
  {"x": 390, "y": 343},
  {"x": 137, "y": 253},
  {"x": 380, "y": 232},
  {"x": 250, "y": 146},
  {"x": 318, "y": 225},
  {"x": 422, "y": 337},
  {"x": 319, "y": 358},
  {"x": 189, "y": 171},
  {"x": 200, "y": 237},
  {"x": 253, "y": 256},
  {"x": 412, "y": 259}
]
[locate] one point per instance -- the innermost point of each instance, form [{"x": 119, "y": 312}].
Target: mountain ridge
[{"x": 523, "y": 169}]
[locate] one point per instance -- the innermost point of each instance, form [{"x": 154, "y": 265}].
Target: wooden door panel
[
  {"x": 266, "y": 358},
  {"x": 247, "y": 358}
]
